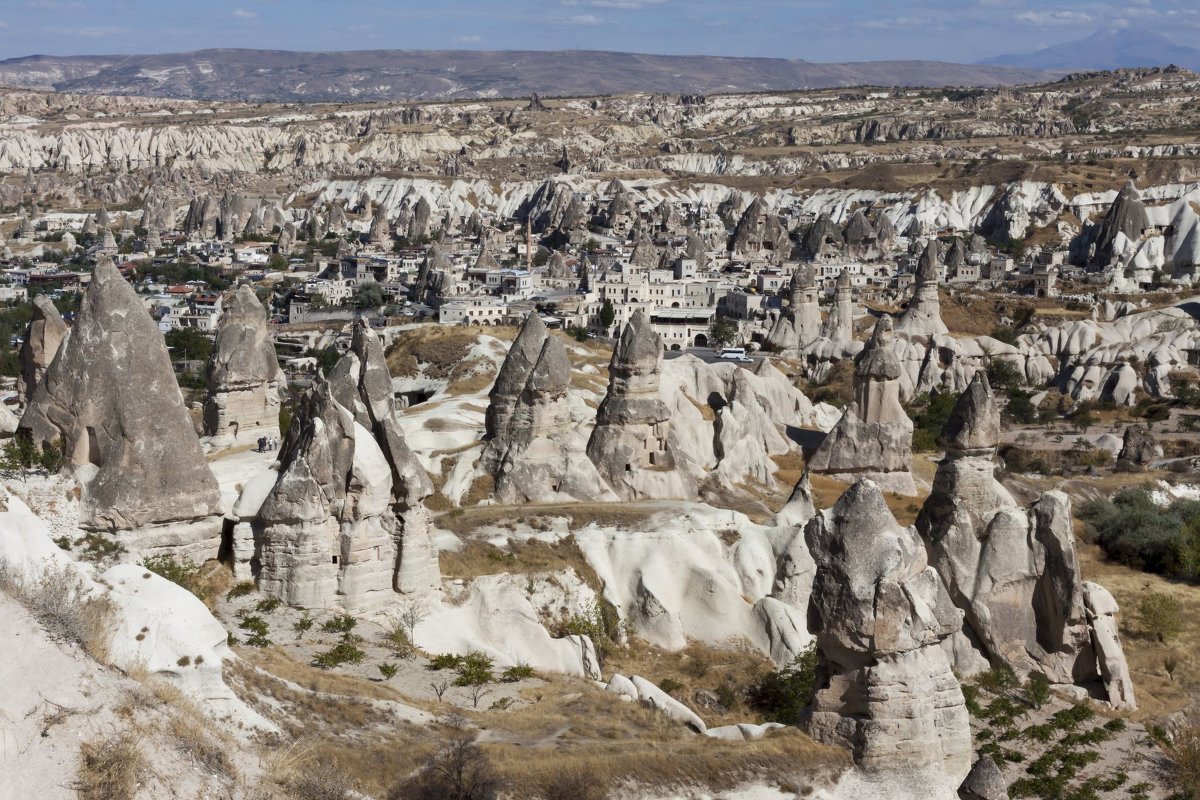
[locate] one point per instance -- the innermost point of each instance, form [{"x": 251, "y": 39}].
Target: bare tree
[
  {"x": 459, "y": 771},
  {"x": 477, "y": 692},
  {"x": 412, "y": 615},
  {"x": 439, "y": 688}
]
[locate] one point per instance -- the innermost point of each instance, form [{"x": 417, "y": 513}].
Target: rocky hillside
[{"x": 374, "y": 75}]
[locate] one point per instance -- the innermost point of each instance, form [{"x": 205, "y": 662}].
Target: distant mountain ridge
[
  {"x": 1106, "y": 49},
  {"x": 380, "y": 75}
]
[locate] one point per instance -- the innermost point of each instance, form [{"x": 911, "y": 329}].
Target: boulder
[
  {"x": 984, "y": 782},
  {"x": 1139, "y": 449},
  {"x": 656, "y": 698},
  {"x": 111, "y": 398},
  {"x": 243, "y": 375},
  {"x": 1110, "y": 656},
  {"x": 880, "y": 613}
]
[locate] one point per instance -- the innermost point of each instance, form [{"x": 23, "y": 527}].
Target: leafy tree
[
  {"x": 326, "y": 358},
  {"x": 608, "y": 314},
  {"x": 368, "y": 295},
  {"x": 783, "y": 694},
  {"x": 578, "y": 333},
  {"x": 723, "y": 331},
  {"x": 1161, "y": 615},
  {"x": 188, "y": 344},
  {"x": 475, "y": 669},
  {"x": 930, "y": 412},
  {"x": 1003, "y": 375}
]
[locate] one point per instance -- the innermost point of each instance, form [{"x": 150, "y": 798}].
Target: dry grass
[
  {"x": 467, "y": 520},
  {"x": 596, "y": 733},
  {"x": 481, "y": 489},
  {"x": 727, "y": 671},
  {"x": 110, "y": 768},
  {"x": 482, "y": 378},
  {"x": 60, "y": 602},
  {"x": 439, "y": 351},
  {"x": 478, "y": 558}
]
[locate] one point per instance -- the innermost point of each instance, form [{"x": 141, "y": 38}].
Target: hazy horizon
[{"x": 812, "y": 30}]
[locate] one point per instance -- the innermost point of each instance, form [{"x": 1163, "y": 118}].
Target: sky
[{"x": 816, "y": 30}]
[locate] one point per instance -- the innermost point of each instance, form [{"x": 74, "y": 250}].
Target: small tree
[
  {"x": 723, "y": 331},
  {"x": 459, "y": 771},
  {"x": 368, "y": 295},
  {"x": 782, "y": 695},
  {"x": 1161, "y": 616},
  {"x": 414, "y": 614},
  {"x": 608, "y": 314}
]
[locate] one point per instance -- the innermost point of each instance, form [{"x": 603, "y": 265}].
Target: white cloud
[
  {"x": 580, "y": 19},
  {"x": 1055, "y": 17},
  {"x": 473, "y": 38},
  {"x": 242, "y": 13}
]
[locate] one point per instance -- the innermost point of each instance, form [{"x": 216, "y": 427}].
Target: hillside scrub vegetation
[{"x": 1134, "y": 530}]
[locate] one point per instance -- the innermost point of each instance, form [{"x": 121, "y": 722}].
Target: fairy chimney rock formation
[
  {"x": 344, "y": 525},
  {"x": 243, "y": 375},
  {"x": 874, "y": 436},
  {"x": 532, "y": 447},
  {"x": 112, "y": 399},
  {"x": 800, "y": 322},
  {"x": 630, "y": 444},
  {"x": 923, "y": 317},
  {"x": 887, "y": 691},
  {"x": 1012, "y": 570},
  {"x": 42, "y": 339},
  {"x": 839, "y": 325}
]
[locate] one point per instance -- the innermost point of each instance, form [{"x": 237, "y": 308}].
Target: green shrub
[
  {"x": 444, "y": 661},
  {"x": 1161, "y": 616},
  {"x": 302, "y": 625},
  {"x": 929, "y": 413},
  {"x": 343, "y": 624},
  {"x": 670, "y": 685},
  {"x": 1134, "y": 531},
  {"x": 1037, "y": 689},
  {"x": 388, "y": 670},
  {"x": 783, "y": 694},
  {"x": 257, "y": 629},
  {"x": 340, "y": 653},
  {"x": 600, "y": 622},
  {"x": 240, "y": 589},
  {"x": 517, "y": 673},
  {"x": 474, "y": 669},
  {"x": 267, "y": 605},
  {"x": 183, "y": 572}
]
